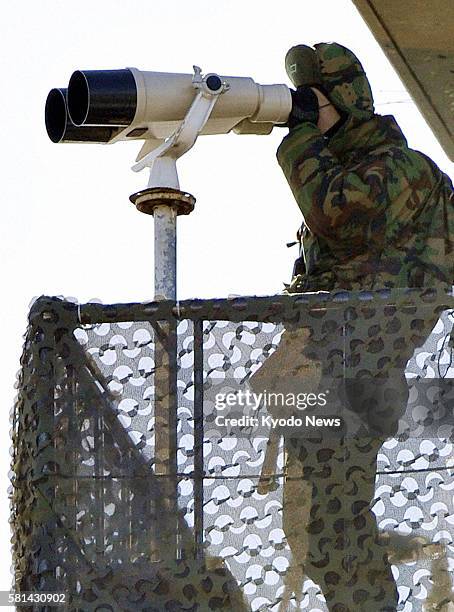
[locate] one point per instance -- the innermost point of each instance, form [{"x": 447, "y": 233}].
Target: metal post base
[
  {"x": 165, "y": 204},
  {"x": 148, "y": 199}
]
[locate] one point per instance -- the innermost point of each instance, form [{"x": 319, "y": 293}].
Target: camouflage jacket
[{"x": 377, "y": 213}]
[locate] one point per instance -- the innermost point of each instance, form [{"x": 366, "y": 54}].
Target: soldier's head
[{"x": 337, "y": 73}]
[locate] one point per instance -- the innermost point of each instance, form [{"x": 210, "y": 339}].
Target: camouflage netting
[{"x": 122, "y": 497}]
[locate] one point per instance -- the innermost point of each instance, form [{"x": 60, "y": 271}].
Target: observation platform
[{"x": 129, "y": 495}]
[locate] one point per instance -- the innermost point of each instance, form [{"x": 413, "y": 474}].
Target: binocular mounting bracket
[
  {"x": 162, "y": 160},
  {"x": 163, "y": 198}
]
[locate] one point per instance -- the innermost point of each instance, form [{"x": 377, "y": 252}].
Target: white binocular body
[{"x": 105, "y": 106}]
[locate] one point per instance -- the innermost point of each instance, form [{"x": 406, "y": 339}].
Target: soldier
[{"x": 377, "y": 214}]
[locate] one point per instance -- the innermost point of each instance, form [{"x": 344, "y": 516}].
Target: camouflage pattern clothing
[{"x": 377, "y": 213}]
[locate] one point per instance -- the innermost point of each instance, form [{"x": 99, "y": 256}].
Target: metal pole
[
  {"x": 165, "y": 253},
  {"x": 165, "y": 204},
  {"x": 198, "y": 439}
]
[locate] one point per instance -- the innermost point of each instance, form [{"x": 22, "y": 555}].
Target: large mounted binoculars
[{"x": 105, "y": 106}]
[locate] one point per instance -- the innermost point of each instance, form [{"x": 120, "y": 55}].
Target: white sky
[{"x": 68, "y": 227}]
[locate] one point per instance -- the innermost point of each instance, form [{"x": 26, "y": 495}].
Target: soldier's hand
[{"x": 304, "y": 107}]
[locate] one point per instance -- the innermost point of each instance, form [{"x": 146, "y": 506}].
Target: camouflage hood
[{"x": 339, "y": 73}]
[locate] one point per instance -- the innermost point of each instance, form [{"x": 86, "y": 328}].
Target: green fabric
[
  {"x": 378, "y": 214},
  {"x": 302, "y": 66},
  {"x": 337, "y": 70},
  {"x": 344, "y": 80}
]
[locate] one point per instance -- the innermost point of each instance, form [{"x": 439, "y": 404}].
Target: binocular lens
[
  {"x": 60, "y": 128},
  {"x": 102, "y": 97},
  {"x": 55, "y": 115}
]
